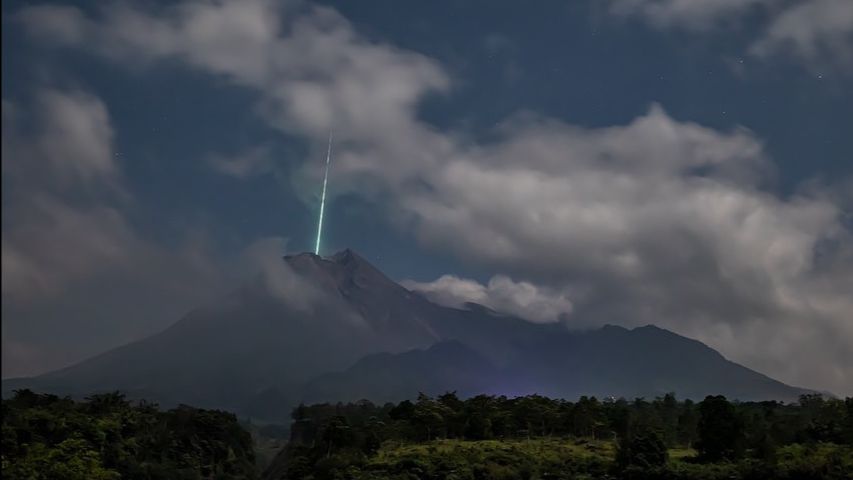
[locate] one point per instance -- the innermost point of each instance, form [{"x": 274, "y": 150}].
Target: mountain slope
[
  {"x": 281, "y": 338},
  {"x": 383, "y": 377}
]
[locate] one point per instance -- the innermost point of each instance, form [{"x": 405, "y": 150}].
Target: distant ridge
[{"x": 336, "y": 328}]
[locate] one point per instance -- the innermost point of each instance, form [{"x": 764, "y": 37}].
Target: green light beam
[{"x": 323, "y": 197}]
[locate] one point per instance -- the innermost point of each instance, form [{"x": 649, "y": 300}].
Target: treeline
[
  {"x": 711, "y": 431},
  {"x": 755, "y": 426},
  {"x": 107, "y": 437}
]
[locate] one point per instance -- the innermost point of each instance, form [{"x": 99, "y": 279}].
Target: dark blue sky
[{"x": 585, "y": 63}]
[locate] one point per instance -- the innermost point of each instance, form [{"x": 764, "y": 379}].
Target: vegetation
[
  {"x": 106, "y": 437},
  {"x": 534, "y": 437},
  {"x": 484, "y": 437}
]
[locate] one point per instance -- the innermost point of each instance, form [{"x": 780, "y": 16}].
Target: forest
[
  {"x": 445, "y": 437},
  {"x": 535, "y": 437},
  {"x": 106, "y": 437}
]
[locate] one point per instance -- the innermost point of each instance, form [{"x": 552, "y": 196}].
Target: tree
[
  {"x": 687, "y": 424},
  {"x": 720, "y": 430},
  {"x": 107, "y": 403},
  {"x": 586, "y": 417},
  {"x": 479, "y": 412},
  {"x": 620, "y": 418},
  {"x": 336, "y": 434},
  {"x": 47, "y": 437},
  {"x": 455, "y": 417},
  {"x": 667, "y": 408},
  {"x": 643, "y": 450},
  {"x": 402, "y": 411},
  {"x": 373, "y": 435},
  {"x": 430, "y": 416}
]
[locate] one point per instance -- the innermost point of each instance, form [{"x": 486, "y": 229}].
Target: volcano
[{"x": 336, "y": 328}]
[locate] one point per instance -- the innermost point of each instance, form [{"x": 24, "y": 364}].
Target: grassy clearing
[
  {"x": 499, "y": 459},
  {"x": 545, "y": 449}
]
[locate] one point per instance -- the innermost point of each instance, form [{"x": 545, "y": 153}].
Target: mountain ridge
[{"x": 312, "y": 322}]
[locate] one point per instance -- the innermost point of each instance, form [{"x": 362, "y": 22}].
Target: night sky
[{"x": 685, "y": 163}]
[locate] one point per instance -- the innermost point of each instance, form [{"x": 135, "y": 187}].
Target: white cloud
[
  {"x": 501, "y": 293},
  {"x": 277, "y": 277},
  {"x": 73, "y": 142},
  {"x": 656, "y": 221},
  {"x": 296, "y": 55},
  {"x": 295, "y": 284},
  {"x": 689, "y": 14},
  {"x": 818, "y": 33},
  {"x": 77, "y": 137}
]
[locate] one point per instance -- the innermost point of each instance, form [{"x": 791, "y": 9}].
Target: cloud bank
[{"x": 72, "y": 261}]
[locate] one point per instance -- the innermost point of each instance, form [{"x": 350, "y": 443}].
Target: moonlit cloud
[
  {"x": 48, "y": 242},
  {"x": 689, "y": 14},
  {"x": 815, "y": 32},
  {"x": 73, "y": 142},
  {"x": 501, "y": 293},
  {"x": 68, "y": 244},
  {"x": 819, "y": 32}
]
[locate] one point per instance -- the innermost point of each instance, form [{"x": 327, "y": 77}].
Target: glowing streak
[{"x": 323, "y": 197}]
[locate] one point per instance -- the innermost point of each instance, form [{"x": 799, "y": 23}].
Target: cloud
[
  {"x": 689, "y": 14},
  {"x": 255, "y": 161},
  {"x": 501, "y": 293},
  {"x": 21, "y": 358},
  {"x": 277, "y": 278},
  {"x": 73, "y": 264},
  {"x": 50, "y": 243},
  {"x": 657, "y": 221},
  {"x": 73, "y": 141},
  {"x": 295, "y": 54},
  {"x": 815, "y": 33},
  {"x": 76, "y": 137}
]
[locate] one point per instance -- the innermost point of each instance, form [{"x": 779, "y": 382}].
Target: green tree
[
  {"x": 336, "y": 434},
  {"x": 643, "y": 450},
  {"x": 430, "y": 415},
  {"x": 586, "y": 417},
  {"x": 720, "y": 430},
  {"x": 455, "y": 416},
  {"x": 688, "y": 421}
]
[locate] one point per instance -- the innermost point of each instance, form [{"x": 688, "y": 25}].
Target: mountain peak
[
  {"x": 344, "y": 269},
  {"x": 299, "y": 257},
  {"x": 345, "y": 257},
  {"x": 348, "y": 257}
]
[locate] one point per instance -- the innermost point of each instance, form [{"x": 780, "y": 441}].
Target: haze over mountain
[{"x": 335, "y": 328}]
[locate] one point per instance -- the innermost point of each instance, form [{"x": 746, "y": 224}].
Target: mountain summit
[{"x": 336, "y": 328}]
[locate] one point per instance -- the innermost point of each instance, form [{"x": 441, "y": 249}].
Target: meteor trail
[{"x": 323, "y": 197}]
